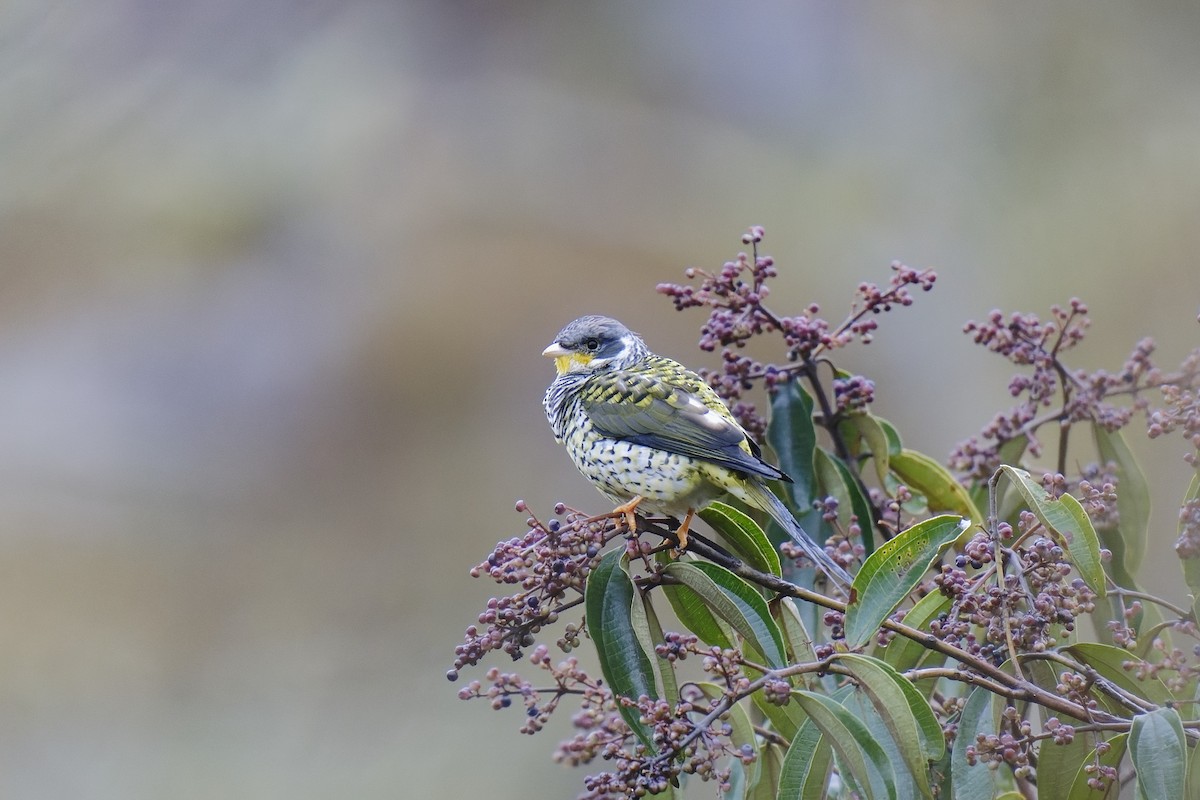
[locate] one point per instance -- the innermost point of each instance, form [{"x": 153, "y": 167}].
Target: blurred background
[{"x": 276, "y": 277}]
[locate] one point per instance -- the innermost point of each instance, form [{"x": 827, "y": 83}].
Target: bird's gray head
[{"x": 594, "y": 343}]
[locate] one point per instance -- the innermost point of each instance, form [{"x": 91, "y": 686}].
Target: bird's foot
[
  {"x": 682, "y": 531},
  {"x": 627, "y": 510}
]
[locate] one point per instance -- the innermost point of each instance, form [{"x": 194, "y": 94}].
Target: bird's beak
[{"x": 556, "y": 350}]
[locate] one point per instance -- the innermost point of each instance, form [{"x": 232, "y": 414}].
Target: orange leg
[
  {"x": 627, "y": 509},
  {"x": 682, "y": 532}
]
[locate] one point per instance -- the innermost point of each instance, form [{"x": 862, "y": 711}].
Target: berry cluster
[
  {"x": 693, "y": 738},
  {"x": 734, "y": 296},
  {"x": 550, "y": 564},
  {"x": 1027, "y": 341},
  {"x": 1010, "y": 747},
  {"x": 1037, "y": 601}
]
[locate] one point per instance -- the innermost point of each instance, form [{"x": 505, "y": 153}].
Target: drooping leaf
[
  {"x": 806, "y": 765},
  {"x": 1066, "y": 518},
  {"x": 1059, "y": 764},
  {"x": 608, "y": 599},
  {"x": 928, "y": 477},
  {"x": 693, "y": 612},
  {"x": 893, "y": 572},
  {"x": 766, "y": 787},
  {"x": 836, "y": 479},
  {"x": 736, "y": 602},
  {"x": 980, "y": 715},
  {"x": 856, "y": 749},
  {"x": 1109, "y": 662},
  {"x": 795, "y": 633},
  {"x": 744, "y": 536},
  {"x": 1133, "y": 499},
  {"x": 794, "y": 438},
  {"x": 1158, "y": 750},
  {"x": 857, "y": 703},
  {"x": 868, "y": 427},
  {"x": 650, "y": 634},
  {"x": 1113, "y": 752},
  {"x": 905, "y": 713}
]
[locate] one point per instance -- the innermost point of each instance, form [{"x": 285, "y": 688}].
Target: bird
[{"x": 653, "y": 435}]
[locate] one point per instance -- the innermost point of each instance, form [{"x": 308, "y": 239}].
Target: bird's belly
[{"x": 669, "y": 483}]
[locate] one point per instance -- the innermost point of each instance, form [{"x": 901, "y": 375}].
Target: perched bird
[{"x": 652, "y": 434}]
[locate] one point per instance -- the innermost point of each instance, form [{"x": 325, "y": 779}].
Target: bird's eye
[{"x": 592, "y": 345}]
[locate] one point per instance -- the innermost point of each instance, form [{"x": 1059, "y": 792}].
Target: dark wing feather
[{"x": 644, "y": 408}]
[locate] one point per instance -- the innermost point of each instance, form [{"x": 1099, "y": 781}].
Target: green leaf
[
  {"x": 927, "y": 477},
  {"x": 744, "y": 536},
  {"x": 1066, "y": 518},
  {"x": 608, "y": 598},
  {"x": 1111, "y": 757},
  {"x": 736, "y": 602},
  {"x": 1159, "y": 753},
  {"x": 907, "y": 715},
  {"x": 836, "y": 479},
  {"x": 893, "y": 572},
  {"x": 805, "y": 771},
  {"x": 980, "y": 715},
  {"x": 894, "y": 445},
  {"x": 796, "y": 636},
  {"x": 794, "y": 438},
  {"x": 650, "y": 634},
  {"x": 869, "y": 428},
  {"x": 860, "y": 707},
  {"x": 856, "y": 749},
  {"x": 766, "y": 787},
  {"x": 1059, "y": 764},
  {"x": 1109, "y": 660},
  {"x": 904, "y": 653},
  {"x": 1133, "y": 499},
  {"x": 693, "y": 613}
]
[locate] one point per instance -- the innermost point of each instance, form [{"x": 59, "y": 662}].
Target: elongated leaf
[
  {"x": 794, "y": 438},
  {"x": 1193, "y": 774},
  {"x": 1109, "y": 660},
  {"x": 894, "y": 445},
  {"x": 1133, "y": 498},
  {"x": 876, "y": 678},
  {"x": 1159, "y": 753},
  {"x": 849, "y": 493},
  {"x": 906, "y": 715},
  {"x": 859, "y": 705},
  {"x": 856, "y": 749},
  {"x": 650, "y": 634},
  {"x": 805, "y": 771},
  {"x": 609, "y": 598},
  {"x": 795, "y": 633},
  {"x": 980, "y": 715},
  {"x": 868, "y": 427},
  {"x": 893, "y": 571},
  {"x": 904, "y": 653},
  {"x": 928, "y": 477},
  {"x": 766, "y": 787},
  {"x": 1066, "y": 518},
  {"x": 744, "y": 536},
  {"x": 694, "y": 613},
  {"x": 1059, "y": 764},
  {"x": 736, "y": 602},
  {"x": 1111, "y": 757}
]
